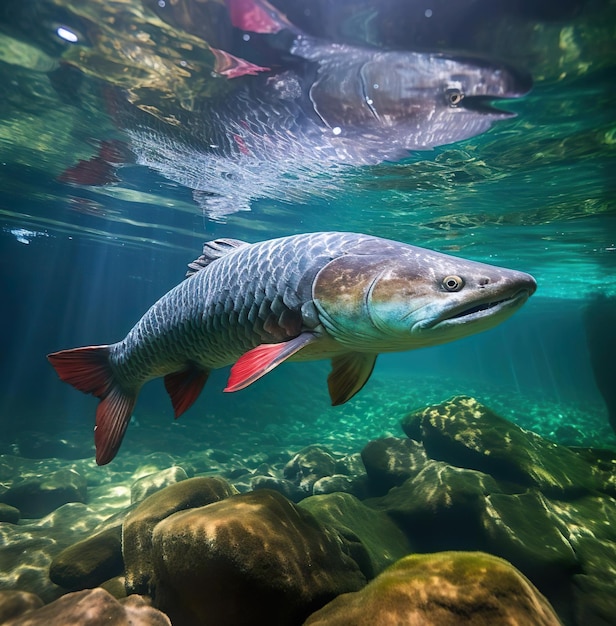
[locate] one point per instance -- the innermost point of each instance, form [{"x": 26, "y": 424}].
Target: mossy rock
[
  {"x": 441, "y": 508},
  {"x": 90, "y": 562},
  {"x": 9, "y": 513},
  {"x": 373, "y": 540},
  {"x": 139, "y": 524},
  {"x": 390, "y": 461},
  {"x": 465, "y": 433},
  {"x": 308, "y": 465},
  {"x": 253, "y": 558},
  {"x": 36, "y": 497},
  {"x": 151, "y": 483},
  {"x": 443, "y": 589}
]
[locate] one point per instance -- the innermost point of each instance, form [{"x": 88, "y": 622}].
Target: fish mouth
[
  {"x": 481, "y": 309},
  {"x": 485, "y": 105}
]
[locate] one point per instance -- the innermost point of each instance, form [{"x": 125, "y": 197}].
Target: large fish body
[{"x": 343, "y": 296}]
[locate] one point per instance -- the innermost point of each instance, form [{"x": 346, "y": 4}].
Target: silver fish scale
[{"x": 250, "y": 296}]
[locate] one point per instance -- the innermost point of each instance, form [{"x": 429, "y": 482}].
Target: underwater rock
[
  {"x": 15, "y": 603},
  {"x": 599, "y": 319},
  {"x": 139, "y": 524},
  {"x": 372, "y": 539},
  {"x": 390, "y": 461},
  {"x": 465, "y": 433},
  {"x": 595, "y": 601},
  {"x": 9, "y": 513},
  {"x": 254, "y": 558},
  {"x": 116, "y": 586},
  {"x": 441, "y": 507},
  {"x": 37, "y": 445},
  {"x": 147, "y": 485},
  {"x": 308, "y": 465},
  {"x": 89, "y": 562},
  {"x": 281, "y": 485},
  {"x": 526, "y": 530},
  {"x": 36, "y": 497},
  {"x": 27, "y": 549},
  {"x": 339, "y": 483},
  {"x": 94, "y": 607},
  {"x": 447, "y": 588}
]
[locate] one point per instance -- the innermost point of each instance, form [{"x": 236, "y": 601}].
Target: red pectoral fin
[{"x": 263, "y": 359}]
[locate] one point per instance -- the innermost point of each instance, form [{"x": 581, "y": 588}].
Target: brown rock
[
  {"x": 139, "y": 524},
  {"x": 93, "y": 607},
  {"x": 442, "y": 589},
  {"x": 254, "y": 558},
  {"x": 16, "y": 603}
]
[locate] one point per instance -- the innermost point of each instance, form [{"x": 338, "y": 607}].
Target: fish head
[
  {"x": 434, "y": 99},
  {"x": 383, "y": 104},
  {"x": 414, "y": 298}
]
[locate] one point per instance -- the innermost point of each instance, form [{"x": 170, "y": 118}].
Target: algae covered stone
[
  {"x": 442, "y": 507},
  {"x": 465, "y": 433},
  {"x": 36, "y": 497},
  {"x": 253, "y": 558},
  {"x": 373, "y": 540},
  {"x": 151, "y": 483},
  {"x": 90, "y": 562},
  {"x": 390, "y": 461},
  {"x": 308, "y": 466},
  {"x": 139, "y": 524},
  {"x": 442, "y": 589}
]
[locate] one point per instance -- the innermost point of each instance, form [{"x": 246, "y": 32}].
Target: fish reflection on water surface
[
  {"x": 289, "y": 131},
  {"x": 340, "y": 296}
]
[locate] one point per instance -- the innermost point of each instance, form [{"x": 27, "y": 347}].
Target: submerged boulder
[
  {"x": 308, "y": 465},
  {"x": 372, "y": 539},
  {"x": 14, "y": 604},
  {"x": 93, "y": 607},
  {"x": 9, "y": 513},
  {"x": 442, "y": 507},
  {"x": 447, "y": 588},
  {"x": 151, "y": 483},
  {"x": 139, "y": 524},
  {"x": 90, "y": 562},
  {"x": 465, "y": 433},
  {"x": 390, "y": 461},
  {"x": 38, "y": 496},
  {"x": 251, "y": 558}
]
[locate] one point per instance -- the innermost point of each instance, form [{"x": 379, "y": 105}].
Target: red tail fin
[{"x": 88, "y": 369}]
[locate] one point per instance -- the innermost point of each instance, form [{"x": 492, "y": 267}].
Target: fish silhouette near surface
[
  {"x": 331, "y": 295},
  {"x": 292, "y": 130}
]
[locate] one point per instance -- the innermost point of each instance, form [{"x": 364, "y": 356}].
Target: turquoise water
[{"x": 82, "y": 262}]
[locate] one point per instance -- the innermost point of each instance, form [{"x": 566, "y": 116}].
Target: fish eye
[
  {"x": 454, "y": 97},
  {"x": 453, "y": 283}
]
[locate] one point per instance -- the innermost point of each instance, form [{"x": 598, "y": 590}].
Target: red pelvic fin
[
  {"x": 263, "y": 359},
  {"x": 88, "y": 370},
  {"x": 184, "y": 387}
]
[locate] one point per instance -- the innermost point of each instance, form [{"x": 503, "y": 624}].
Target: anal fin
[
  {"x": 185, "y": 386},
  {"x": 350, "y": 372},
  {"x": 263, "y": 359}
]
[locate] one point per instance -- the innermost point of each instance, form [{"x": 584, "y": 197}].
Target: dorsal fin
[{"x": 213, "y": 250}]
